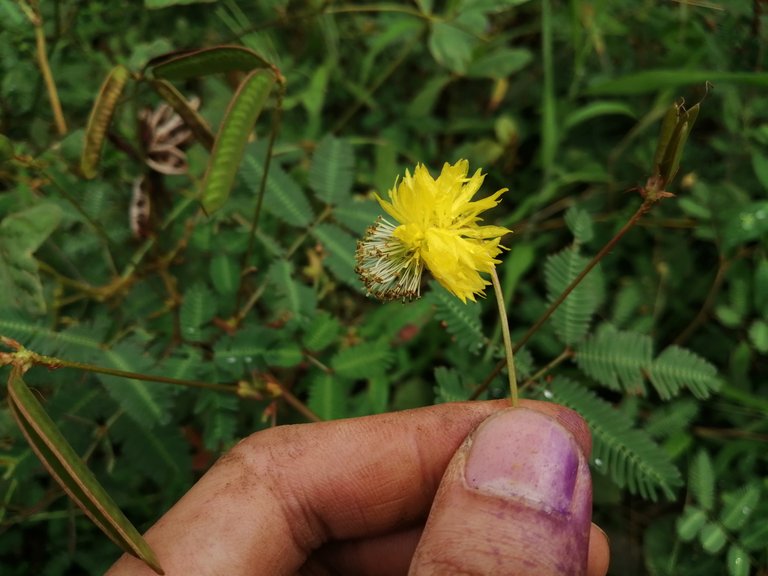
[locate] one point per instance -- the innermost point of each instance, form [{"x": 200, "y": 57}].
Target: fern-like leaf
[
  {"x": 672, "y": 418},
  {"x": 162, "y": 453},
  {"x": 332, "y": 172},
  {"x": 219, "y": 415},
  {"x": 329, "y": 396},
  {"x": 461, "y": 320},
  {"x": 363, "y": 360},
  {"x": 449, "y": 385},
  {"x": 739, "y": 506},
  {"x": 147, "y": 403},
  {"x": 241, "y": 352},
  {"x": 296, "y": 298},
  {"x": 197, "y": 308},
  {"x": 701, "y": 480},
  {"x": 21, "y": 234},
  {"x": 571, "y": 320},
  {"x": 322, "y": 331},
  {"x": 284, "y": 198},
  {"x": 357, "y": 215},
  {"x": 579, "y": 222},
  {"x": 616, "y": 358},
  {"x": 340, "y": 249},
  {"x": 629, "y": 455},
  {"x": 677, "y": 368}
]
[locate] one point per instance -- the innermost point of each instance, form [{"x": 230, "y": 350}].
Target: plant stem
[
  {"x": 50, "y": 84},
  {"x": 508, "y": 350},
  {"x": 649, "y": 201},
  {"x": 54, "y": 363}
]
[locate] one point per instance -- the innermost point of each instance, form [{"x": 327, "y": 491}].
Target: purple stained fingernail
[{"x": 521, "y": 454}]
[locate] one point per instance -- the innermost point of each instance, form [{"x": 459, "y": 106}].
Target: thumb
[{"x": 515, "y": 499}]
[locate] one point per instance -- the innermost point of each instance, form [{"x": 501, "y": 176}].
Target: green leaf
[
  {"x": 745, "y": 224},
  {"x": 572, "y": 319},
  {"x": 629, "y": 455},
  {"x": 100, "y": 118},
  {"x": 322, "y": 331},
  {"x": 225, "y": 274},
  {"x": 712, "y": 538},
  {"x": 194, "y": 63},
  {"x": 339, "y": 247},
  {"x": 738, "y": 561},
  {"x": 148, "y": 403},
  {"x": 329, "y": 396},
  {"x": 758, "y": 335},
  {"x": 690, "y": 522},
  {"x": 739, "y": 506},
  {"x": 240, "y": 118},
  {"x": 295, "y": 298},
  {"x": 332, "y": 172},
  {"x": 284, "y": 198},
  {"x": 6, "y": 149},
  {"x": 676, "y": 368},
  {"x": 219, "y": 415},
  {"x": 197, "y": 308},
  {"x": 363, "y": 360},
  {"x": 163, "y": 454},
  {"x": 672, "y": 418},
  {"x": 71, "y": 473},
  {"x": 21, "y": 234},
  {"x": 357, "y": 215},
  {"x": 451, "y": 42},
  {"x": 615, "y": 358},
  {"x": 284, "y": 354},
  {"x": 449, "y": 386},
  {"x": 500, "y": 63},
  {"x": 579, "y": 222},
  {"x": 760, "y": 290},
  {"x": 239, "y": 353},
  {"x": 157, "y": 4},
  {"x": 701, "y": 480},
  {"x": 461, "y": 320},
  {"x": 597, "y": 109},
  {"x": 655, "y": 80}
]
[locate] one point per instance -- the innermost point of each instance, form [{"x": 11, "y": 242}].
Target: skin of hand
[{"x": 473, "y": 488}]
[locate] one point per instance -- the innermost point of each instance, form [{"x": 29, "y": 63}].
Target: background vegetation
[{"x": 663, "y": 348}]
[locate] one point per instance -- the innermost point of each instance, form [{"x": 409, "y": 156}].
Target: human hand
[{"x": 352, "y": 497}]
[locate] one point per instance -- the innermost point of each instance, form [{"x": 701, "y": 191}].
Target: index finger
[{"x": 281, "y": 493}]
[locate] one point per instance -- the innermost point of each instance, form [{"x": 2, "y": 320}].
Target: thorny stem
[
  {"x": 652, "y": 196},
  {"x": 508, "y": 350}
]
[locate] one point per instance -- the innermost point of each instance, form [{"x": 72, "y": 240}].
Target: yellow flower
[{"x": 438, "y": 229}]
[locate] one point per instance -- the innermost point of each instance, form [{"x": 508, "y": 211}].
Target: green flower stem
[
  {"x": 652, "y": 196},
  {"x": 508, "y": 350}
]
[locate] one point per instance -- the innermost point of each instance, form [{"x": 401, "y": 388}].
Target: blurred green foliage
[{"x": 663, "y": 348}]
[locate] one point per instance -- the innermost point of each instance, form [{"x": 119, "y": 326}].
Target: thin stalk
[
  {"x": 45, "y": 70},
  {"x": 55, "y": 363},
  {"x": 642, "y": 210},
  {"x": 276, "y": 119},
  {"x": 383, "y": 77},
  {"x": 297, "y": 404},
  {"x": 508, "y": 350}
]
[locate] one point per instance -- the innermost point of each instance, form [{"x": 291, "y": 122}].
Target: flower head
[{"x": 438, "y": 229}]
